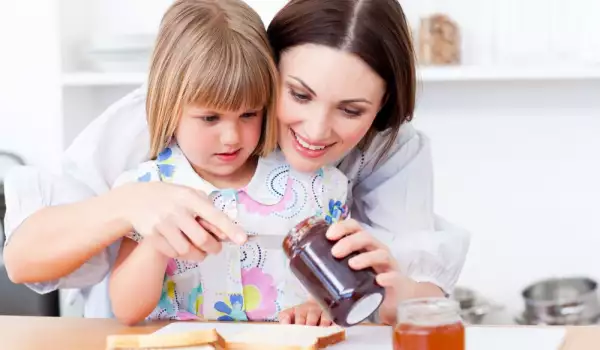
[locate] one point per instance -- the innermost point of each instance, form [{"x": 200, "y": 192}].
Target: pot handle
[
  {"x": 483, "y": 309},
  {"x": 572, "y": 310}
]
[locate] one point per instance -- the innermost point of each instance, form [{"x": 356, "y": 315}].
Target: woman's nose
[{"x": 318, "y": 127}]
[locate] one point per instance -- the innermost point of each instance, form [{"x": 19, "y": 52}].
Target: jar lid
[
  {"x": 297, "y": 232},
  {"x": 429, "y": 312}
]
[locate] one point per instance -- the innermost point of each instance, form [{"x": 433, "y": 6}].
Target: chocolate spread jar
[{"x": 349, "y": 296}]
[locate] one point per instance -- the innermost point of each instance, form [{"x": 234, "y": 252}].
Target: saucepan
[
  {"x": 473, "y": 307},
  {"x": 561, "y": 301}
]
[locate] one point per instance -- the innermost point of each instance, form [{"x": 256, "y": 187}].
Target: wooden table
[{"x": 62, "y": 333}]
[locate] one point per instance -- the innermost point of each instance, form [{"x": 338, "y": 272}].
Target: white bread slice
[
  {"x": 286, "y": 337},
  {"x": 198, "y": 340}
]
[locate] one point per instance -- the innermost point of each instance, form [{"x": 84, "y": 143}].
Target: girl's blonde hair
[{"x": 212, "y": 53}]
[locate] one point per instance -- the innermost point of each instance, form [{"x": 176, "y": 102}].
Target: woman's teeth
[{"x": 308, "y": 145}]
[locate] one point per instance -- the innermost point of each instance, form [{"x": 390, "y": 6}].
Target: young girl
[{"x": 211, "y": 96}]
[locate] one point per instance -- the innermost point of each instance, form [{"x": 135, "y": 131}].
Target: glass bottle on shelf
[{"x": 439, "y": 37}]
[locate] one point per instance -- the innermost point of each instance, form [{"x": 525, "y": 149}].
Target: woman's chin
[{"x": 300, "y": 163}]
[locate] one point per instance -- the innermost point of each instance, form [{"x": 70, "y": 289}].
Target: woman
[{"x": 347, "y": 92}]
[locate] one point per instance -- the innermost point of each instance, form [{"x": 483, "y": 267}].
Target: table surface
[{"x": 49, "y": 333}]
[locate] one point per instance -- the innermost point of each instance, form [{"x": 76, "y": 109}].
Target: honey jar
[
  {"x": 348, "y": 296},
  {"x": 429, "y": 324}
]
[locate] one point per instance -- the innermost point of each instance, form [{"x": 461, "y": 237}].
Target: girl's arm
[{"x": 135, "y": 285}]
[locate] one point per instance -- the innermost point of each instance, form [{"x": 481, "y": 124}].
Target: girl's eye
[
  {"x": 249, "y": 115},
  {"x": 210, "y": 118},
  {"x": 302, "y": 98},
  {"x": 352, "y": 112}
]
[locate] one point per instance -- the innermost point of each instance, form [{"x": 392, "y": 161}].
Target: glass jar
[
  {"x": 349, "y": 296},
  {"x": 439, "y": 41},
  {"x": 429, "y": 324}
]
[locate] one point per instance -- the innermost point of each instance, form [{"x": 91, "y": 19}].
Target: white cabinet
[
  {"x": 95, "y": 35},
  {"x": 51, "y": 88},
  {"x": 548, "y": 32},
  {"x": 511, "y": 40}
]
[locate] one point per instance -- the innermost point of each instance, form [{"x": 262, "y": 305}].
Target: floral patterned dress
[{"x": 251, "y": 282}]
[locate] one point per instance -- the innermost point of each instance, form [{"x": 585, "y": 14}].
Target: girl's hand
[
  {"x": 180, "y": 221},
  {"x": 374, "y": 254},
  {"x": 309, "y": 313}
]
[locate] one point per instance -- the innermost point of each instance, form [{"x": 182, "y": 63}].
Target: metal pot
[
  {"x": 561, "y": 301},
  {"x": 473, "y": 308}
]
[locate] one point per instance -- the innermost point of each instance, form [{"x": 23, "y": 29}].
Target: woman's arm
[
  {"x": 350, "y": 236},
  {"x": 136, "y": 281},
  {"x": 115, "y": 141},
  {"x": 37, "y": 249},
  {"x": 393, "y": 201},
  {"x": 57, "y": 240}
]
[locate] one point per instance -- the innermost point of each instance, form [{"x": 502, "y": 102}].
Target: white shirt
[{"x": 392, "y": 198}]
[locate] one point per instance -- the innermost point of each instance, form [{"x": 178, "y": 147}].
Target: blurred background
[{"x": 509, "y": 93}]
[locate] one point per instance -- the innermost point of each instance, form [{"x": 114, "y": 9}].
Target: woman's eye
[
  {"x": 210, "y": 118},
  {"x": 352, "y": 112},
  {"x": 302, "y": 98}
]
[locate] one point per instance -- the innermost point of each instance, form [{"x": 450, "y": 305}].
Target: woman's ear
[{"x": 384, "y": 100}]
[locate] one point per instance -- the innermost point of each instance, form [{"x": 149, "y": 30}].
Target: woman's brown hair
[
  {"x": 213, "y": 53},
  {"x": 374, "y": 30}
]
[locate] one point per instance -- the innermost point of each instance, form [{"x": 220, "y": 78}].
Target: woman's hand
[
  {"x": 180, "y": 221},
  {"x": 309, "y": 313},
  {"x": 352, "y": 238}
]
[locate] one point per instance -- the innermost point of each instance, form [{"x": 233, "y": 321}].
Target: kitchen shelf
[
  {"x": 507, "y": 73},
  {"x": 425, "y": 74},
  {"x": 102, "y": 79}
]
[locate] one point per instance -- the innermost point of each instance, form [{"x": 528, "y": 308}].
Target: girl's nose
[{"x": 230, "y": 135}]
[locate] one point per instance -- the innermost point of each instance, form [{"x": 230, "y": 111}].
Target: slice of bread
[
  {"x": 258, "y": 337},
  {"x": 286, "y": 337},
  {"x": 197, "y": 340}
]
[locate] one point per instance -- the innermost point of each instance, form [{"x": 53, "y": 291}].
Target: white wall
[
  {"x": 516, "y": 162},
  {"x": 127, "y": 20},
  {"x": 29, "y": 99},
  {"x": 522, "y": 176}
]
